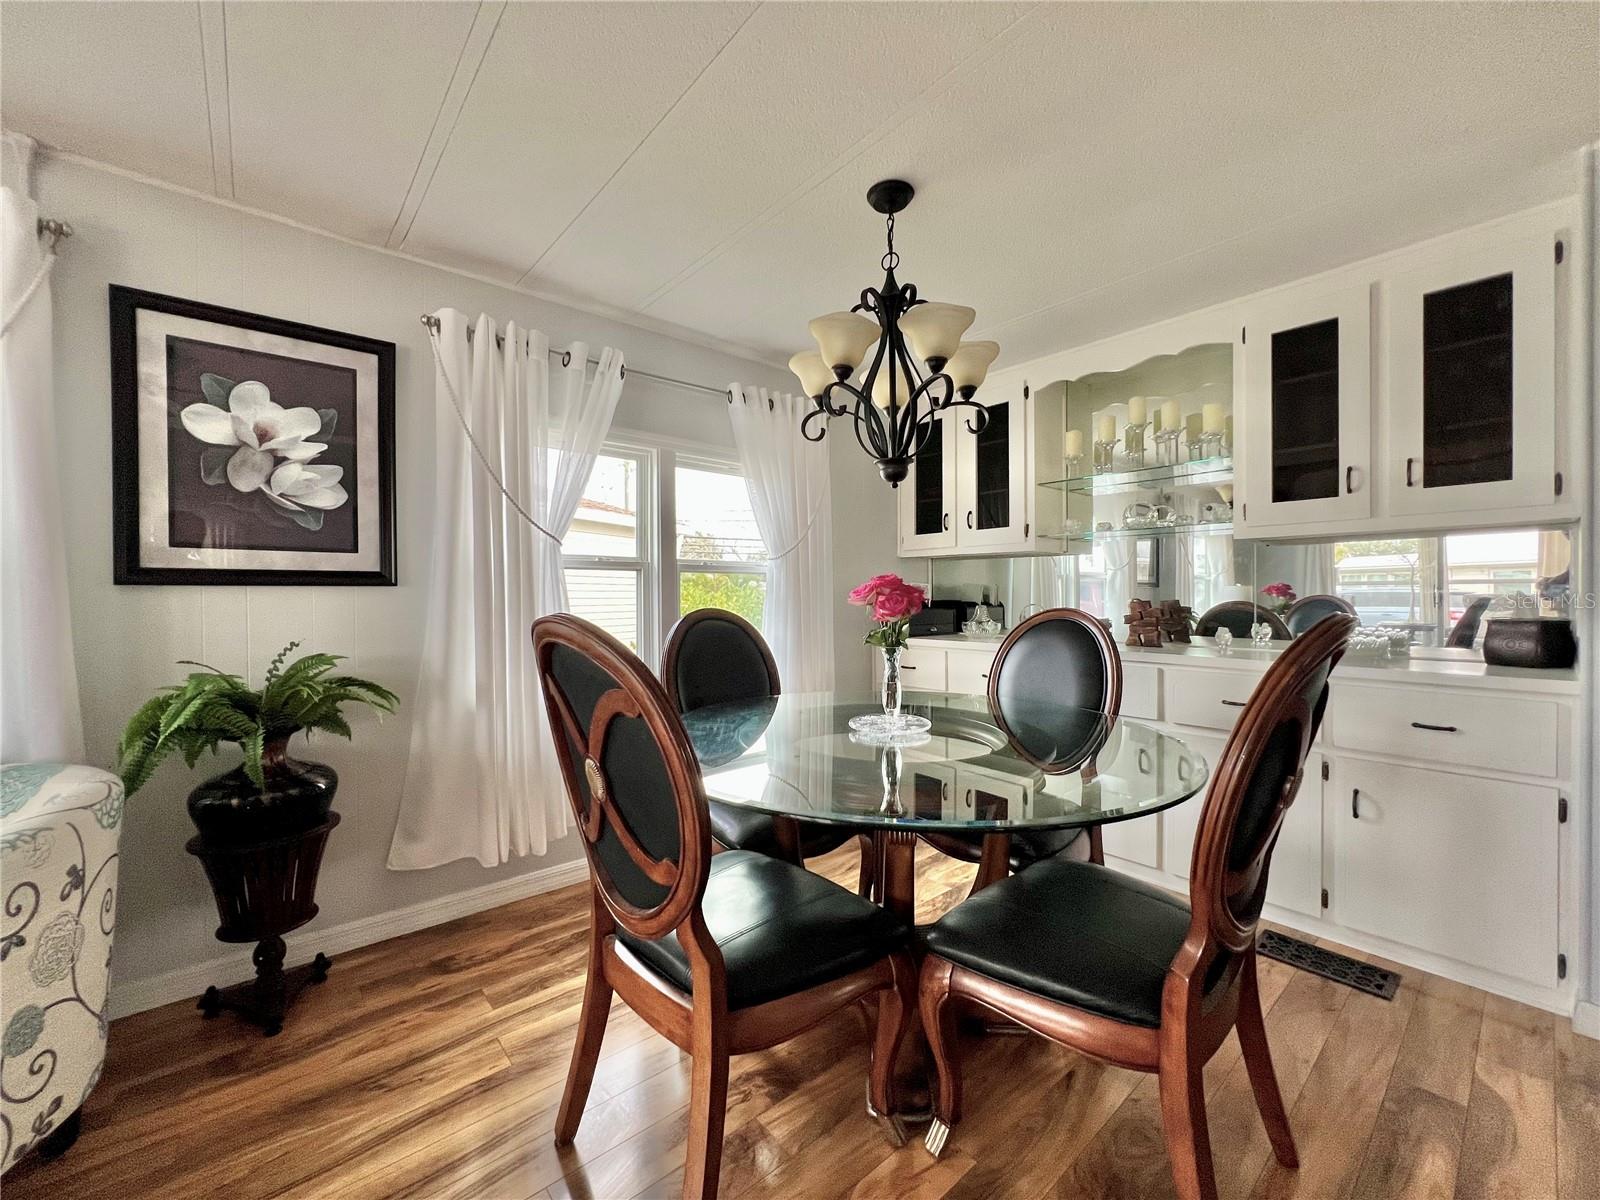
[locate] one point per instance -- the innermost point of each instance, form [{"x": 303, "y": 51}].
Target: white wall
[{"x": 129, "y": 638}]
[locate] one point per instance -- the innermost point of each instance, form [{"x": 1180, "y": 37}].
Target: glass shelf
[
  {"x": 1201, "y": 471},
  {"x": 1089, "y": 537}
]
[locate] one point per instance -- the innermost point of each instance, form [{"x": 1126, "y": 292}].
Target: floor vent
[{"x": 1340, "y": 968}]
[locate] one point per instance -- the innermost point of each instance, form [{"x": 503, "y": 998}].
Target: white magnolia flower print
[
  {"x": 56, "y": 949},
  {"x": 300, "y": 485},
  {"x": 260, "y": 428}
]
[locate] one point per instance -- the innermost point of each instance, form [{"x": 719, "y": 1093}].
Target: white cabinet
[
  {"x": 967, "y": 671},
  {"x": 1471, "y": 378},
  {"x": 1306, "y": 427},
  {"x": 1461, "y": 865},
  {"x": 992, "y": 473},
  {"x": 928, "y": 493}
]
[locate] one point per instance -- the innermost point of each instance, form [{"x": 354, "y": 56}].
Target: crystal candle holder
[
  {"x": 1210, "y": 445},
  {"x": 1133, "y": 444},
  {"x": 1167, "y": 452},
  {"x": 1104, "y": 456}
]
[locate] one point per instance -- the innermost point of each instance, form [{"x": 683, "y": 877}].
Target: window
[
  {"x": 721, "y": 559},
  {"x": 605, "y": 555}
]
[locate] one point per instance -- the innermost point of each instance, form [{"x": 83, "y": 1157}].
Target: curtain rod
[{"x": 432, "y": 323}]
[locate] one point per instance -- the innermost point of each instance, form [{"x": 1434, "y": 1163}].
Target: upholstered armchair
[{"x": 59, "y": 827}]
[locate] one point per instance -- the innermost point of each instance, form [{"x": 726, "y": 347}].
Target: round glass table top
[{"x": 1044, "y": 767}]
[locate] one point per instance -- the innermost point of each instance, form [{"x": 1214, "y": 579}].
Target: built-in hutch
[{"x": 1428, "y": 390}]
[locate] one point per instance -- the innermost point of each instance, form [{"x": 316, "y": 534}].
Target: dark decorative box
[{"x": 1544, "y": 642}]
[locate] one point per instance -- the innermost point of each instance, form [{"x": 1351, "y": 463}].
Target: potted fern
[{"x": 269, "y": 794}]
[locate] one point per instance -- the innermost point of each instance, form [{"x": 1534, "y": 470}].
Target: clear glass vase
[{"x": 891, "y": 682}]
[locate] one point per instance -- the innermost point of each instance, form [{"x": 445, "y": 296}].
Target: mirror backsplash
[{"x": 1439, "y": 588}]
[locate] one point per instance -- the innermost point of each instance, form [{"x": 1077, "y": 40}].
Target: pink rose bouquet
[
  {"x": 1280, "y": 595},
  {"x": 893, "y": 601}
]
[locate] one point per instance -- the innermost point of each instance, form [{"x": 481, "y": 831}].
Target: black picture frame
[
  {"x": 128, "y": 566},
  {"x": 1147, "y": 562}
]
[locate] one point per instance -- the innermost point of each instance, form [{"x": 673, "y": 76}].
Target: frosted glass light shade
[
  {"x": 843, "y": 339},
  {"x": 812, "y": 372},
  {"x": 969, "y": 365},
  {"x": 934, "y": 330},
  {"x": 880, "y": 386}
]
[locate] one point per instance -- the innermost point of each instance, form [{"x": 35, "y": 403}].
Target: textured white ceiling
[{"x": 1081, "y": 168}]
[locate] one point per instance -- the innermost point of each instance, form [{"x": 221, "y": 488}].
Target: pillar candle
[
  {"x": 1214, "y": 417},
  {"x": 1171, "y": 418},
  {"x": 1105, "y": 428},
  {"x": 1072, "y": 443},
  {"x": 1136, "y": 410}
]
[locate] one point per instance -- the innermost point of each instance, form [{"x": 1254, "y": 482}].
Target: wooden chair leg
[
  {"x": 866, "y": 881},
  {"x": 895, "y": 1008},
  {"x": 994, "y": 862},
  {"x": 1097, "y": 849},
  {"x": 939, "y": 1027},
  {"x": 1183, "y": 1118},
  {"x": 591, "y": 1032},
  {"x": 708, "y": 1106},
  {"x": 1258, "y": 1062}
]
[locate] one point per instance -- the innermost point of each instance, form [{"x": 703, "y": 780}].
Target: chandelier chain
[{"x": 891, "y": 260}]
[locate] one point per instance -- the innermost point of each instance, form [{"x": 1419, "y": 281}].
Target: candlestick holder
[
  {"x": 1167, "y": 452},
  {"x": 1211, "y": 445},
  {"x": 1104, "y": 456},
  {"x": 1133, "y": 443},
  {"x": 1074, "y": 464}
]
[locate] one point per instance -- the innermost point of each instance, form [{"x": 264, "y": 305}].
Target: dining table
[{"x": 972, "y": 772}]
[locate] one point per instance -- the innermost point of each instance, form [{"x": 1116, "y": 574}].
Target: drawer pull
[
  {"x": 907, "y": 668},
  {"x": 1350, "y": 481},
  {"x": 1355, "y": 803},
  {"x": 1410, "y": 464},
  {"x": 1234, "y": 703},
  {"x": 1434, "y": 728}
]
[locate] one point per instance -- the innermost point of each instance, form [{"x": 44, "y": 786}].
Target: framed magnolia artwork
[{"x": 248, "y": 450}]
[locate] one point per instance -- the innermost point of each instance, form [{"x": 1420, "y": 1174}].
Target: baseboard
[
  {"x": 188, "y": 982},
  {"x": 1586, "y": 1019}
]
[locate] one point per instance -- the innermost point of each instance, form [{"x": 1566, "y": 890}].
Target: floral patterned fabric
[{"x": 59, "y": 827}]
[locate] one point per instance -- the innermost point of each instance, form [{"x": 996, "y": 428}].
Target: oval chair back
[
  {"x": 1050, "y": 671},
  {"x": 1308, "y": 610},
  {"x": 630, "y": 774},
  {"x": 1465, "y": 631},
  {"x": 1258, "y": 775},
  {"x": 715, "y": 657},
  {"x": 1236, "y": 616}
]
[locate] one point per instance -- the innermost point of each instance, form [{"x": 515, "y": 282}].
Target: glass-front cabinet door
[
  {"x": 1471, "y": 380},
  {"x": 1307, "y": 434},
  {"x": 928, "y": 493},
  {"x": 991, "y": 472}
]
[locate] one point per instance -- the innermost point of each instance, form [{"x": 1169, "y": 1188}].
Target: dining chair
[
  {"x": 1237, "y": 616},
  {"x": 1308, "y": 610},
  {"x": 717, "y": 657},
  {"x": 1050, "y": 671},
  {"x": 1128, "y": 973},
  {"x": 721, "y": 954},
  {"x": 1464, "y": 633}
]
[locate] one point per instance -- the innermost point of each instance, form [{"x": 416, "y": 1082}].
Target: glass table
[{"x": 1047, "y": 767}]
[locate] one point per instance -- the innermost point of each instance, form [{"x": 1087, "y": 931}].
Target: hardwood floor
[{"x": 432, "y": 1066}]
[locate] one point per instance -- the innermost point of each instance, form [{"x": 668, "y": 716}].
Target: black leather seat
[
  {"x": 716, "y": 657},
  {"x": 781, "y": 929},
  {"x": 1082, "y": 934}
]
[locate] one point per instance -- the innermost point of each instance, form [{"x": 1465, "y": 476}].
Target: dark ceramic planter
[{"x": 230, "y": 810}]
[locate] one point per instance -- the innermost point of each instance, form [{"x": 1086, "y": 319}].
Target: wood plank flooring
[{"x": 431, "y": 1066}]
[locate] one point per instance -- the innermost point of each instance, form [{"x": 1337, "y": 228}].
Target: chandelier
[{"x": 894, "y": 403}]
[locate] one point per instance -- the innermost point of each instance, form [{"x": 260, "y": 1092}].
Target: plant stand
[{"x": 263, "y": 891}]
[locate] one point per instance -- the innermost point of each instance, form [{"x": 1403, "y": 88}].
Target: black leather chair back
[
  {"x": 715, "y": 657},
  {"x": 1256, "y": 779},
  {"x": 1049, "y": 673},
  {"x": 630, "y": 774},
  {"x": 1465, "y": 632},
  {"x": 1236, "y": 616},
  {"x": 1308, "y": 610}
]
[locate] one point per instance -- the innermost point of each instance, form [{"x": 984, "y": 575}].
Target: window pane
[
  {"x": 608, "y": 598},
  {"x": 715, "y": 523},
  {"x": 1493, "y": 564},
  {"x": 1383, "y": 579},
  {"x": 736, "y": 591},
  {"x": 607, "y": 520}
]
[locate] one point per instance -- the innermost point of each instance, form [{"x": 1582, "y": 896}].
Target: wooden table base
[{"x": 265, "y": 999}]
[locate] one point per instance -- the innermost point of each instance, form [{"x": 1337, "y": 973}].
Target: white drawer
[
  {"x": 1453, "y": 729},
  {"x": 968, "y": 671},
  {"x": 1141, "y": 691},
  {"x": 1207, "y": 699},
  {"x": 921, "y": 669}
]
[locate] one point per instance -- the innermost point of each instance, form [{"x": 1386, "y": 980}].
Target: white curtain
[
  {"x": 481, "y": 780},
  {"x": 788, "y": 481},
  {"x": 39, "y": 715}
]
